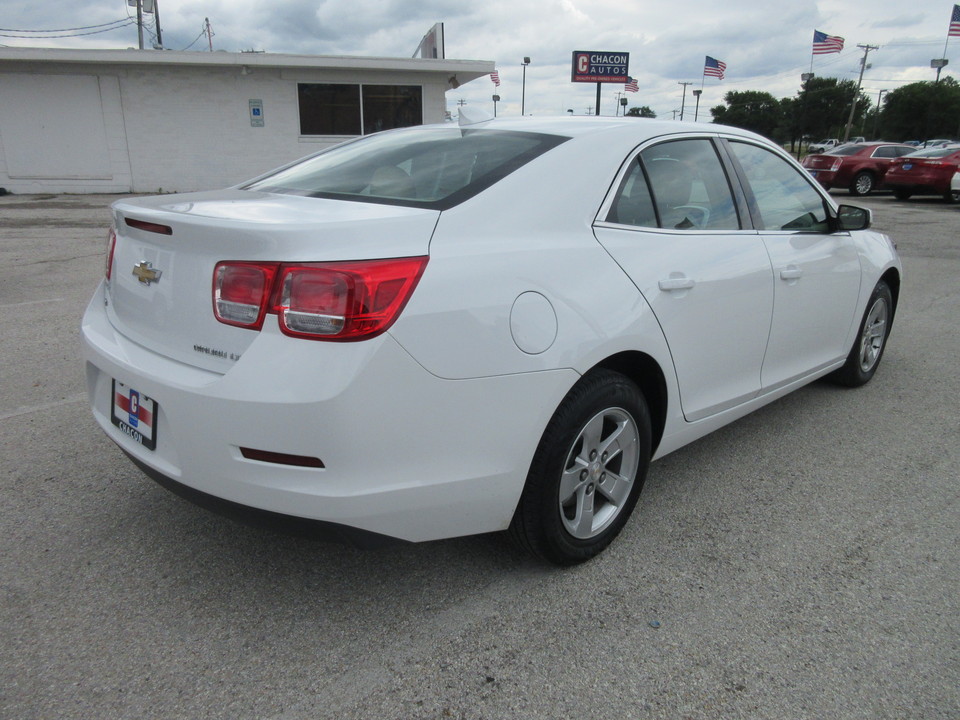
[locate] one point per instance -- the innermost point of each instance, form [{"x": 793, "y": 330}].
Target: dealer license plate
[
  {"x": 812, "y": 172},
  {"x": 135, "y": 415},
  {"x": 907, "y": 166}
]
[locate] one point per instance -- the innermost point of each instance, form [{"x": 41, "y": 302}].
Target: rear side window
[
  {"x": 677, "y": 185},
  {"x": 891, "y": 151},
  {"x": 434, "y": 168},
  {"x": 785, "y": 199}
]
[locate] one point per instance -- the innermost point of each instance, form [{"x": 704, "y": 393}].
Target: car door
[
  {"x": 816, "y": 271},
  {"x": 674, "y": 225}
]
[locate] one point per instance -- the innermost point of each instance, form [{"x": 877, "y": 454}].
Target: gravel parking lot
[{"x": 801, "y": 563}]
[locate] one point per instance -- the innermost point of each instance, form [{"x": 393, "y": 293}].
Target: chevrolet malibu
[{"x": 447, "y": 330}]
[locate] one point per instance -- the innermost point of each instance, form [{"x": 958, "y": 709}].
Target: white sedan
[{"x": 441, "y": 330}]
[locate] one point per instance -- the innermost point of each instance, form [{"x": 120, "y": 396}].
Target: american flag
[
  {"x": 631, "y": 85},
  {"x": 955, "y": 22},
  {"x": 714, "y": 67},
  {"x": 495, "y": 76},
  {"x": 824, "y": 44}
]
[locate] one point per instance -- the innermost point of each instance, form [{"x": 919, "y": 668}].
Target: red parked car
[
  {"x": 859, "y": 167},
  {"x": 924, "y": 172}
]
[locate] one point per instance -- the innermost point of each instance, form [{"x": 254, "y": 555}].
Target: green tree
[
  {"x": 644, "y": 112},
  {"x": 823, "y": 107},
  {"x": 922, "y": 110},
  {"x": 751, "y": 110},
  {"x": 790, "y": 129}
]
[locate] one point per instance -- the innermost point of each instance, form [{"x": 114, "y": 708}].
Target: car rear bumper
[{"x": 455, "y": 465}]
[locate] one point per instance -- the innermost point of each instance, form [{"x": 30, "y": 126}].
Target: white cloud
[{"x": 766, "y": 45}]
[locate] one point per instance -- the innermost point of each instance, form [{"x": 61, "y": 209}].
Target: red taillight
[
  {"x": 111, "y": 246},
  {"x": 836, "y": 165},
  {"x": 322, "y": 301},
  {"x": 241, "y": 292},
  {"x": 345, "y": 301}
]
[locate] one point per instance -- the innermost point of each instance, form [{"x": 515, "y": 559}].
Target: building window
[{"x": 335, "y": 109}]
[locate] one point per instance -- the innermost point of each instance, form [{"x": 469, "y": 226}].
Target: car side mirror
[{"x": 851, "y": 217}]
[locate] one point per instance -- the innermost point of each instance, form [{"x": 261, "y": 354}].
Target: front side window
[
  {"x": 784, "y": 198},
  {"x": 678, "y": 185},
  {"x": 422, "y": 167},
  {"x": 339, "y": 109}
]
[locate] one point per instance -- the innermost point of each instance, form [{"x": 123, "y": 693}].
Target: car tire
[
  {"x": 901, "y": 194},
  {"x": 952, "y": 196},
  {"x": 863, "y": 183},
  {"x": 867, "y": 350},
  {"x": 587, "y": 472}
]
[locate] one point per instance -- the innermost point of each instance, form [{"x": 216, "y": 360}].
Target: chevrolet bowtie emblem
[{"x": 145, "y": 273}]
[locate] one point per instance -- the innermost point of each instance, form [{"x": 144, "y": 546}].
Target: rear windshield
[
  {"x": 435, "y": 168},
  {"x": 846, "y": 150},
  {"x": 934, "y": 152}
]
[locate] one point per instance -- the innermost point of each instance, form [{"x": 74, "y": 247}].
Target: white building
[{"x": 162, "y": 121}]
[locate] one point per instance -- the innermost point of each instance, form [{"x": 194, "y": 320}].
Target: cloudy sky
[{"x": 766, "y": 46}]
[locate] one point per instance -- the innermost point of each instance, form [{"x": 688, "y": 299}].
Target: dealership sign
[{"x": 600, "y": 67}]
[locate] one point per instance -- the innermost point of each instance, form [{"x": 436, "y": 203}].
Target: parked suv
[
  {"x": 924, "y": 172},
  {"x": 858, "y": 167}
]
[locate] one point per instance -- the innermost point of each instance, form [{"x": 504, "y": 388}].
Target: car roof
[{"x": 582, "y": 125}]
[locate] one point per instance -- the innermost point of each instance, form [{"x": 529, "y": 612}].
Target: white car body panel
[
  {"x": 810, "y": 271},
  {"x": 428, "y": 431},
  {"x": 717, "y": 355}
]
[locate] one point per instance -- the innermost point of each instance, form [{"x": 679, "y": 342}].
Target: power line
[
  {"x": 54, "y": 30},
  {"x": 202, "y": 33},
  {"x": 69, "y": 35}
]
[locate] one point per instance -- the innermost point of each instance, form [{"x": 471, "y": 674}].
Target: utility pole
[
  {"x": 856, "y": 95},
  {"x": 206, "y": 22},
  {"x": 684, "y": 101},
  {"x": 156, "y": 18},
  {"x": 140, "y": 22}
]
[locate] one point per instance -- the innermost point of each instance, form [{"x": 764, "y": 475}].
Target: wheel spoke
[
  {"x": 570, "y": 481},
  {"x": 610, "y": 445},
  {"x": 583, "y": 520},
  {"x": 877, "y": 330},
  {"x": 591, "y": 435},
  {"x": 614, "y": 488}
]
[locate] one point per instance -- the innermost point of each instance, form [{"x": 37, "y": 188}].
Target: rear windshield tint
[
  {"x": 846, "y": 150},
  {"x": 433, "y": 168}
]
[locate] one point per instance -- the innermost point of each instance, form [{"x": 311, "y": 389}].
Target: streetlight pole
[
  {"x": 523, "y": 87},
  {"x": 684, "y": 101},
  {"x": 696, "y": 113},
  {"x": 876, "y": 118}
]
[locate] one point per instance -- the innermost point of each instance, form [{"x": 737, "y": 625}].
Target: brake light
[
  {"x": 338, "y": 301},
  {"x": 836, "y": 165},
  {"x": 111, "y": 246},
  {"x": 241, "y": 293}
]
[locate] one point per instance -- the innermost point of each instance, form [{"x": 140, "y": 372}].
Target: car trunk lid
[{"x": 161, "y": 288}]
